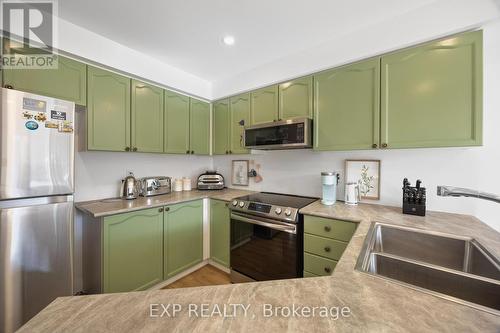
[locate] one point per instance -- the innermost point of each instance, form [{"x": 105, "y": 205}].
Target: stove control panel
[{"x": 286, "y": 214}]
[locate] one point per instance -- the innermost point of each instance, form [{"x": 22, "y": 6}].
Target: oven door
[
  {"x": 285, "y": 134},
  {"x": 265, "y": 249}
]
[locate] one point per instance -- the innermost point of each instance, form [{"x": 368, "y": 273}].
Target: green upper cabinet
[
  {"x": 264, "y": 105},
  {"x": 183, "y": 237},
  {"x": 68, "y": 81},
  {"x": 296, "y": 98},
  {"x": 199, "y": 128},
  {"x": 176, "y": 123},
  {"x": 221, "y": 127},
  {"x": 132, "y": 250},
  {"x": 432, "y": 94},
  {"x": 219, "y": 232},
  {"x": 147, "y": 118},
  {"x": 108, "y": 111},
  {"x": 347, "y": 107},
  {"x": 239, "y": 118}
]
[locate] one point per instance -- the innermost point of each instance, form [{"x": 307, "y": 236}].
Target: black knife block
[{"x": 414, "y": 198}]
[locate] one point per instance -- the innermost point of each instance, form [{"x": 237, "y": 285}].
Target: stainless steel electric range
[{"x": 267, "y": 238}]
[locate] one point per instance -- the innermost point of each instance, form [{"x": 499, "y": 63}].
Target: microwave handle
[{"x": 238, "y": 217}]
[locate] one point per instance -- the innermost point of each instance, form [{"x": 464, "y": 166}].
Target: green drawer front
[
  {"x": 324, "y": 247},
  {"x": 308, "y": 274},
  {"x": 318, "y": 265},
  {"x": 341, "y": 230}
]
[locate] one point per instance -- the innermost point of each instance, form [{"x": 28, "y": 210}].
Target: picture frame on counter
[
  {"x": 366, "y": 173},
  {"x": 239, "y": 172}
]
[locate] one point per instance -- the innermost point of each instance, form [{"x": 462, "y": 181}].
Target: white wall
[
  {"x": 99, "y": 174},
  {"x": 88, "y": 45},
  {"x": 421, "y": 24},
  {"x": 298, "y": 172}
]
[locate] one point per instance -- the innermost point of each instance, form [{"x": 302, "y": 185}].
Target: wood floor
[{"x": 206, "y": 276}]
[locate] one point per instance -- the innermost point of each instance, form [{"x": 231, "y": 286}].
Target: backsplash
[{"x": 99, "y": 174}]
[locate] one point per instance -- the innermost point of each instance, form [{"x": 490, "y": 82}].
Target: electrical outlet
[{"x": 129, "y": 172}]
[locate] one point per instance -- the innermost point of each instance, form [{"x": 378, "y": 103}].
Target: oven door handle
[{"x": 271, "y": 225}]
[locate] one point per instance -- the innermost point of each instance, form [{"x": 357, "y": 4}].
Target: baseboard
[
  {"x": 180, "y": 275},
  {"x": 219, "y": 266}
]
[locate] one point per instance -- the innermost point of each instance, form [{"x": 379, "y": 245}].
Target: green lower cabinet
[
  {"x": 176, "y": 125},
  {"x": 239, "y": 118},
  {"x": 68, "y": 81},
  {"x": 147, "y": 118},
  {"x": 220, "y": 127},
  {"x": 264, "y": 105},
  {"x": 347, "y": 107},
  {"x": 183, "y": 237},
  {"x": 325, "y": 247},
  {"x": 108, "y": 111},
  {"x": 308, "y": 274},
  {"x": 318, "y": 265},
  {"x": 432, "y": 94},
  {"x": 199, "y": 127},
  {"x": 132, "y": 251},
  {"x": 219, "y": 232},
  {"x": 329, "y": 228},
  {"x": 296, "y": 98}
]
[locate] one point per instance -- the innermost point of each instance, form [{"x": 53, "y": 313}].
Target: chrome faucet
[{"x": 450, "y": 191}]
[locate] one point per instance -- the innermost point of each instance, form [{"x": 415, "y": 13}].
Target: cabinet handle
[
  {"x": 327, "y": 249},
  {"x": 374, "y": 145},
  {"x": 160, "y": 210},
  {"x": 192, "y": 152},
  {"x": 230, "y": 152},
  {"x": 167, "y": 209},
  {"x": 135, "y": 149},
  {"x": 187, "y": 151},
  {"x": 384, "y": 145},
  {"x": 127, "y": 148},
  {"x": 8, "y": 86},
  {"x": 227, "y": 152},
  {"x": 328, "y": 228},
  {"x": 328, "y": 270}
]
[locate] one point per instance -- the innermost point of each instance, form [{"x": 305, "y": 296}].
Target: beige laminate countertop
[
  {"x": 376, "y": 305},
  {"x": 106, "y": 207}
]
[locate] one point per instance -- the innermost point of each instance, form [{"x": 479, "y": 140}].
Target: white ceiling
[{"x": 187, "y": 33}]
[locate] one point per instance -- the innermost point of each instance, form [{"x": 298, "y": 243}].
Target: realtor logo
[{"x": 29, "y": 30}]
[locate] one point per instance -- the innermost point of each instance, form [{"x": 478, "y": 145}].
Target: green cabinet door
[
  {"x": 239, "y": 117},
  {"x": 108, "y": 111},
  {"x": 432, "y": 94},
  {"x": 147, "y": 118},
  {"x": 221, "y": 127},
  {"x": 183, "y": 237},
  {"x": 264, "y": 105},
  {"x": 132, "y": 251},
  {"x": 296, "y": 98},
  {"x": 68, "y": 81},
  {"x": 219, "y": 232},
  {"x": 176, "y": 123},
  {"x": 199, "y": 128},
  {"x": 347, "y": 107}
]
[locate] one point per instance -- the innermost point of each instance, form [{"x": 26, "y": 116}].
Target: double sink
[{"x": 452, "y": 267}]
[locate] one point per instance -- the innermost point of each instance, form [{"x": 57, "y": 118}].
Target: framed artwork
[
  {"x": 239, "y": 173},
  {"x": 366, "y": 173}
]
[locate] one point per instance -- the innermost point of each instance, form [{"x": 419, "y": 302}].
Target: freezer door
[
  {"x": 35, "y": 259},
  {"x": 36, "y": 145}
]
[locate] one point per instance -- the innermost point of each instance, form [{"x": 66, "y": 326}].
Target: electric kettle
[
  {"x": 130, "y": 187},
  {"x": 352, "y": 194}
]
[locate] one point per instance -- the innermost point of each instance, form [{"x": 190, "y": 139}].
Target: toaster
[
  {"x": 210, "y": 180},
  {"x": 149, "y": 186}
]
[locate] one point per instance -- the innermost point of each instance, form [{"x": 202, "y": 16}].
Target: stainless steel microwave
[{"x": 283, "y": 134}]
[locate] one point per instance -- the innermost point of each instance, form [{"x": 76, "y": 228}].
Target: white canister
[
  {"x": 178, "y": 185},
  {"x": 186, "y": 184}
]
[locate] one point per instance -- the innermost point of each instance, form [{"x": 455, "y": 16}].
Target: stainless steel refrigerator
[{"x": 36, "y": 204}]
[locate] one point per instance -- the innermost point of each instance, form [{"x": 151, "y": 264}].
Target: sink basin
[{"x": 448, "y": 266}]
